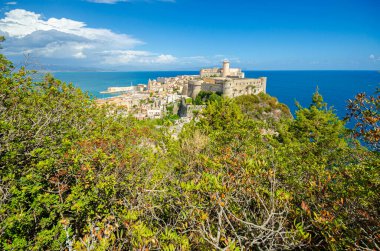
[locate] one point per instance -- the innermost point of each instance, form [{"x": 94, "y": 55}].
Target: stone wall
[
  {"x": 212, "y": 87},
  {"x": 237, "y": 87},
  {"x": 229, "y": 87},
  {"x": 187, "y": 110},
  {"x": 194, "y": 87}
]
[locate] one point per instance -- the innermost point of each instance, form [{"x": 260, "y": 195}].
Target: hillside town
[{"x": 175, "y": 95}]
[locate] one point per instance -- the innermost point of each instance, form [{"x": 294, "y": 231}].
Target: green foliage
[
  {"x": 2, "y": 39},
  {"x": 320, "y": 126},
  {"x": 75, "y": 176},
  {"x": 221, "y": 115},
  {"x": 205, "y": 97},
  {"x": 365, "y": 111},
  {"x": 169, "y": 109},
  {"x": 262, "y": 107}
]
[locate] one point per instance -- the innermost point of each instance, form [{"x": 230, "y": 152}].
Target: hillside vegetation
[{"x": 75, "y": 176}]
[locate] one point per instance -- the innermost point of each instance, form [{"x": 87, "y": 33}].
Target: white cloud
[
  {"x": 61, "y": 50},
  {"x": 72, "y": 42},
  {"x": 374, "y": 58},
  {"x": 199, "y": 60},
  {"x": 120, "y": 57},
  {"x": 28, "y": 33},
  {"x": 11, "y": 3},
  {"x": 20, "y": 23},
  {"x": 165, "y": 59}
]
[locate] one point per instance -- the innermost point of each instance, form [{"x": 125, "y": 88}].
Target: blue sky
[{"x": 189, "y": 34}]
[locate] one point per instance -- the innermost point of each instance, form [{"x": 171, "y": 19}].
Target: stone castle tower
[
  {"x": 226, "y": 68},
  {"x": 194, "y": 87}
]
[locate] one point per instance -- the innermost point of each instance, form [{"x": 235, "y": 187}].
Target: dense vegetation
[
  {"x": 74, "y": 176},
  {"x": 204, "y": 97}
]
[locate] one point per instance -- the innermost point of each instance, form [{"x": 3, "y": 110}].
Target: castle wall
[
  {"x": 237, "y": 87},
  {"x": 230, "y": 87},
  {"x": 194, "y": 87},
  {"x": 210, "y": 74},
  {"x": 185, "y": 89},
  {"x": 212, "y": 87},
  {"x": 187, "y": 110},
  {"x": 264, "y": 84}
]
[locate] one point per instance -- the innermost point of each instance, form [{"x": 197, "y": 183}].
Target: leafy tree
[
  {"x": 38, "y": 123},
  {"x": 221, "y": 115},
  {"x": 364, "y": 110},
  {"x": 206, "y": 96},
  {"x": 329, "y": 179},
  {"x": 319, "y": 125}
]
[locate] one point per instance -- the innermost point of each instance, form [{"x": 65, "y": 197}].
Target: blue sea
[{"x": 336, "y": 87}]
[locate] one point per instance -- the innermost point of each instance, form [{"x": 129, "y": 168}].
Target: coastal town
[{"x": 175, "y": 95}]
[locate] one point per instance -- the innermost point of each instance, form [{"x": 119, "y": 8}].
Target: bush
[
  {"x": 205, "y": 97},
  {"x": 189, "y": 101}
]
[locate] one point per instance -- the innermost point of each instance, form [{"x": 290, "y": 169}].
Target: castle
[
  {"x": 226, "y": 71},
  {"x": 229, "y": 82}
]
